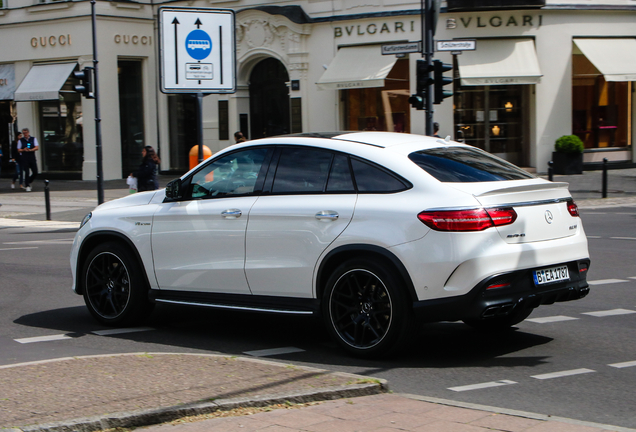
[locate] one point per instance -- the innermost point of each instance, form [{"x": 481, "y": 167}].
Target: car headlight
[{"x": 86, "y": 219}]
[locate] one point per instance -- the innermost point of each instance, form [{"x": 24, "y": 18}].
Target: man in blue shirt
[{"x": 27, "y": 146}]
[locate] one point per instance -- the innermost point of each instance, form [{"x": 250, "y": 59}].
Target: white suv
[{"x": 372, "y": 230}]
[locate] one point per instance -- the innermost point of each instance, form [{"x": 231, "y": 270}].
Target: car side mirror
[{"x": 173, "y": 189}]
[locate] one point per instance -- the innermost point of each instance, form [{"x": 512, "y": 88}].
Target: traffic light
[
  {"x": 417, "y": 102},
  {"x": 423, "y": 80},
  {"x": 440, "y": 81},
  {"x": 85, "y": 87},
  {"x": 423, "y": 77}
]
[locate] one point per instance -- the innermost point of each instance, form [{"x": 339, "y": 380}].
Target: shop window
[
  {"x": 61, "y": 125},
  {"x": 600, "y": 109},
  {"x": 492, "y": 118},
  {"x": 383, "y": 109},
  {"x": 131, "y": 114}
]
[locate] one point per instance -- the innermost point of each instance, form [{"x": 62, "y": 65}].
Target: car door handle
[
  {"x": 231, "y": 213},
  {"x": 327, "y": 215}
]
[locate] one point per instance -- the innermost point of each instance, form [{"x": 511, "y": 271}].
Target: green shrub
[{"x": 569, "y": 144}]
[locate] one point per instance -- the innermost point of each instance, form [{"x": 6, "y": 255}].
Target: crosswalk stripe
[
  {"x": 273, "y": 351},
  {"x": 482, "y": 385},
  {"x": 109, "y": 332},
  {"x": 551, "y": 319},
  {"x": 563, "y": 373},
  {"x": 606, "y": 281},
  {"x": 43, "y": 338},
  {"x": 611, "y": 312}
]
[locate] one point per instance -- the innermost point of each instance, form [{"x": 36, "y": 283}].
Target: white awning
[
  {"x": 614, "y": 58},
  {"x": 500, "y": 62},
  {"x": 43, "y": 82},
  {"x": 357, "y": 67}
]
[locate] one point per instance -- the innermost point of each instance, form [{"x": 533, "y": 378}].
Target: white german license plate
[{"x": 551, "y": 275}]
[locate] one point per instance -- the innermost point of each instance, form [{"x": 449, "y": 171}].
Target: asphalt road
[{"x": 575, "y": 359}]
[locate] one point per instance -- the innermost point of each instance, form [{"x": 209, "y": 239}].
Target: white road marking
[
  {"x": 632, "y": 277},
  {"x": 623, "y": 238},
  {"x": 52, "y": 241},
  {"x": 606, "y": 281},
  {"x": 594, "y": 237},
  {"x": 551, "y": 319},
  {"x": 624, "y": 364},
  {"x": 19, "y": 248},
  {"x": 273, "y": 351},
  {"x": 482, "y": 385},
  {"x": 109, "y": 332},
  {"x": 611, "y": 312},
  {"x": 563, "y": 373},
  {"x": 43, "y": 338}
]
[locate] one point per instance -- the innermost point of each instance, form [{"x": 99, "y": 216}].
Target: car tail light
[
  {"x": 502, "y": 215},
  {"x": 467, "y": 220},
  {"x": 573, "y": 208}
]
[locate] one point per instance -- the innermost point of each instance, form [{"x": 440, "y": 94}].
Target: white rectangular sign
[
  {"x": 403, "y": 48},
  {"x": 197, "y": 50},
  {"x": 457, "y": 45}
]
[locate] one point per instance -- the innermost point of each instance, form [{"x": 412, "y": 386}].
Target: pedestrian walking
[
  {"x": 27, "y": 146},
  {"x": 15, "y": 158},
  {"x": 147, "y": 173}
]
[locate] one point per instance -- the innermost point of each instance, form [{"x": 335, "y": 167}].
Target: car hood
[{"x": 136, "y": 199}]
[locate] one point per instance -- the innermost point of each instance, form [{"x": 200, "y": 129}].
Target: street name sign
[
  {"x": 457, "y": 45},
  {"x": 197, "y": 50},
  {"x": 403, "y": 48}
]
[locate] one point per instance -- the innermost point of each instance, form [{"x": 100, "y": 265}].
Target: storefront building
[{"x": 541, "y": 69}]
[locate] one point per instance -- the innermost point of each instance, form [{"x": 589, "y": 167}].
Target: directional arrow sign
[{"x": 197, "y": 50}]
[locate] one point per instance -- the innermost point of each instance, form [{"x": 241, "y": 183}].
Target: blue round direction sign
[{"x": 198, "y": 44}]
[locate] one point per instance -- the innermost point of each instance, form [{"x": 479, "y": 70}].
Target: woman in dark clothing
[
  {"x": 147, "y": 172},
  {"x": 17, "y": 159}
]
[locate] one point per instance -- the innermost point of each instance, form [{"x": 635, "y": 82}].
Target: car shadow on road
[{"x": 187, "y": 329}]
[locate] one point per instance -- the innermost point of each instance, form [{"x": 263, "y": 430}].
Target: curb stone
[
  {"x": 150, "y": 417},
  {"x": 153, "y": 416}
]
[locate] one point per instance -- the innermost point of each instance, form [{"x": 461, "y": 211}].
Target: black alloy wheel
[
  {"x": 114, "y": 291},
  {"x": 365, "y": 309}
]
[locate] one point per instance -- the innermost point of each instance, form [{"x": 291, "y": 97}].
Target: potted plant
[{"x": 567, "y": 157}]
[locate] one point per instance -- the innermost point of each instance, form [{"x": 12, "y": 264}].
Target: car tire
[
  {"x": 115, "y": 290},
  {"x": 501, "y": 323},
  {"x": 366, "y": 310}
]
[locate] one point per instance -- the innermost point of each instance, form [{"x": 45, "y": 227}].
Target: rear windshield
[{"x": 465, "y": 165}]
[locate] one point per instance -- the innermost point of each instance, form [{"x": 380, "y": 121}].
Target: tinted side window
[
  {"x": 340, "y": 175},
  {"x": 370, "y": 178},
  {"x": 464, "y": 164},
  {"x": 302, "y": 170},
  {"x": 230, "y": 175}
]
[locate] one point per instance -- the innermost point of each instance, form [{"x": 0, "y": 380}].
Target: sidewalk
[{"x": 206, "y": 393}]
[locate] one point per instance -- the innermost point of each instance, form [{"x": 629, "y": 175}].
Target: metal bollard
[
  {"x": 604, "y": 191},
  {"x": 47, "y": 200},
  {"x": 550, "y": 170}
]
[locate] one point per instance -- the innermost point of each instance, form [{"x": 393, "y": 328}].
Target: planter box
[{"x": 567, "y": 163}]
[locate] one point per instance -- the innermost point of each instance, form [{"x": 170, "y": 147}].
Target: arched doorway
[{"x": 269, "y": 99}]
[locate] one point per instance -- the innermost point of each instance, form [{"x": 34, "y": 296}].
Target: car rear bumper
[{"x": 500, "y": 294}]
